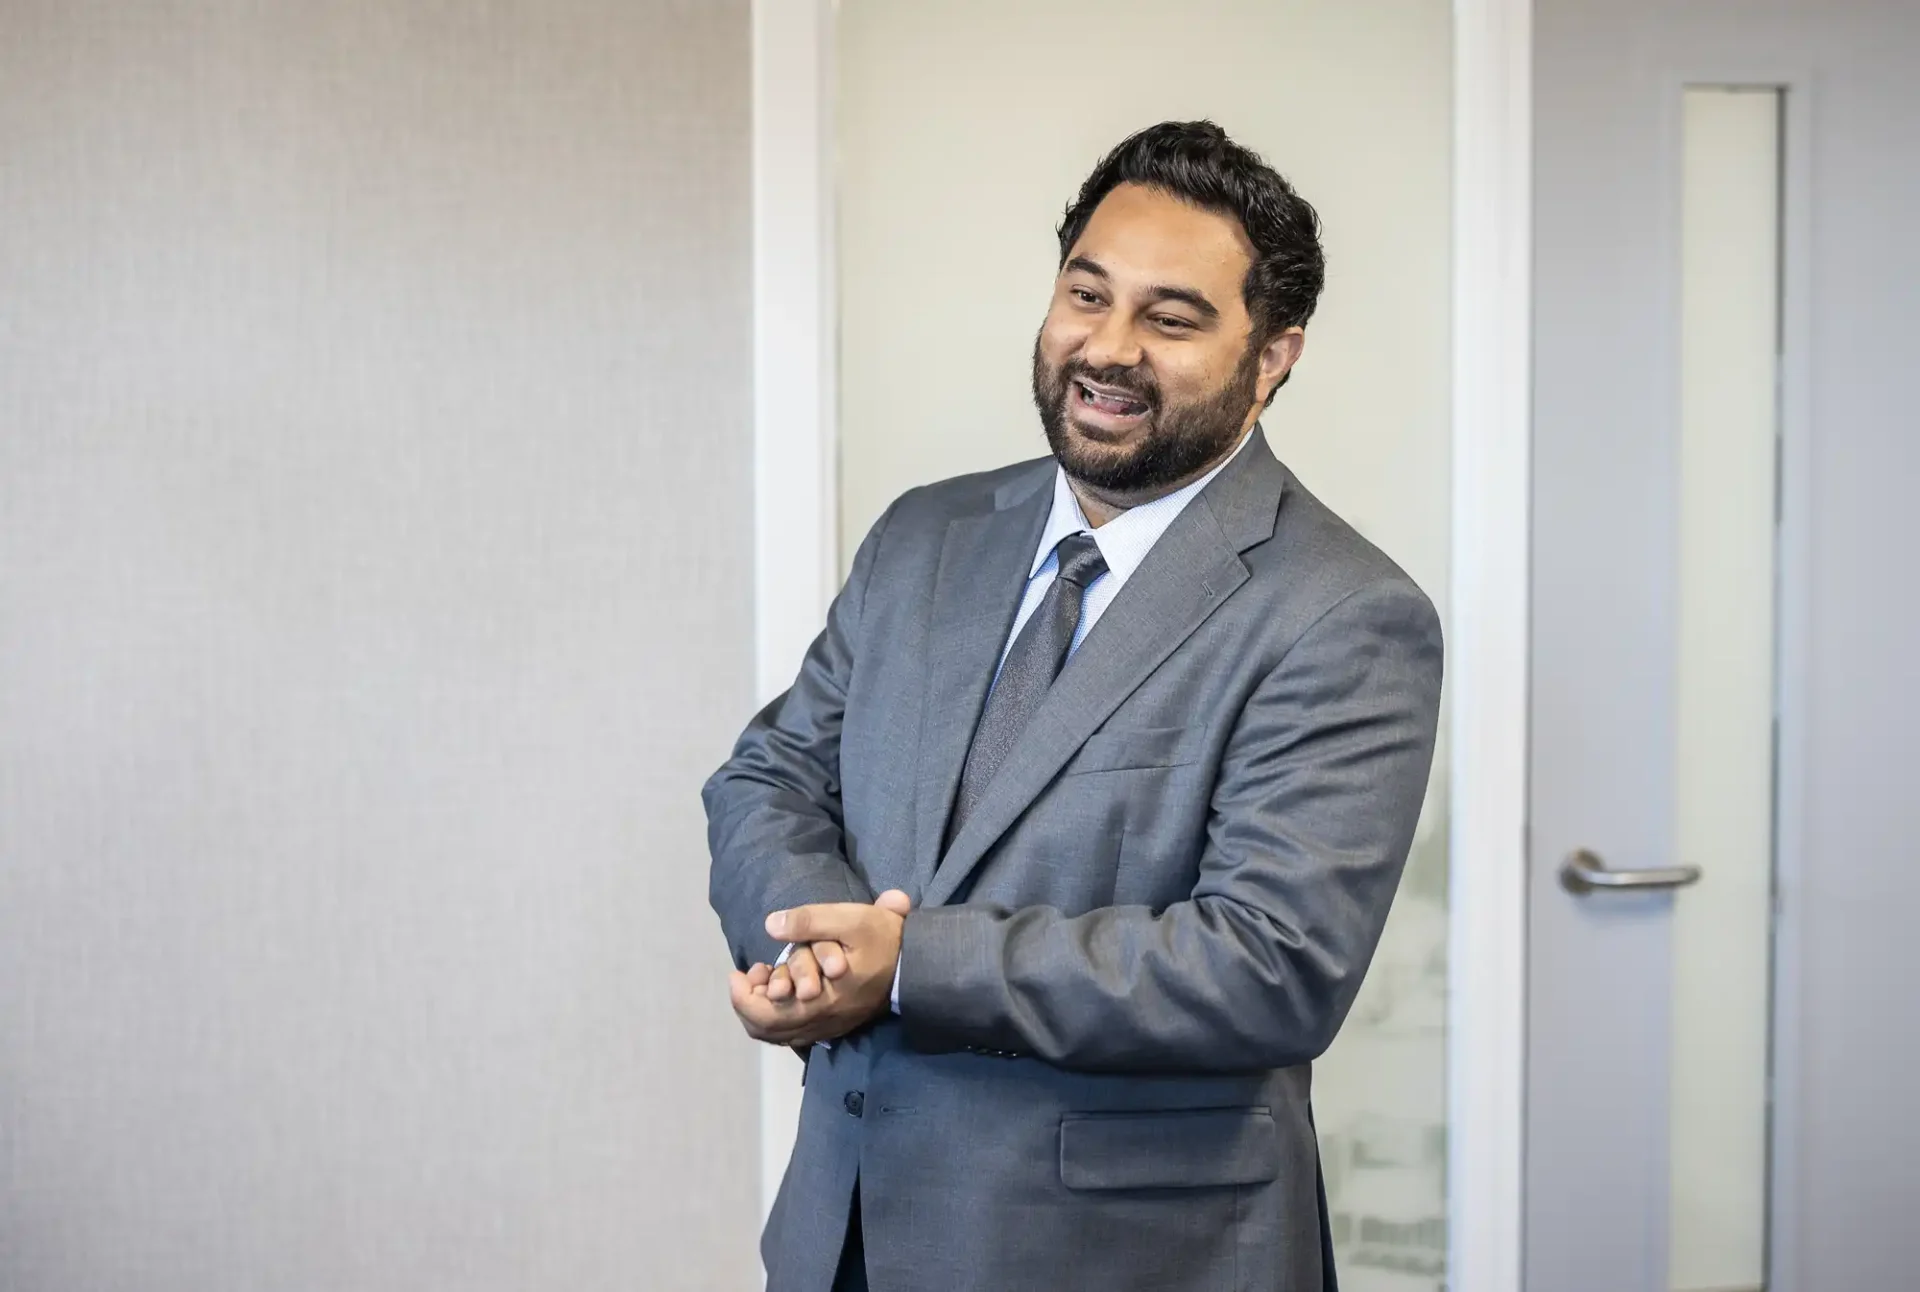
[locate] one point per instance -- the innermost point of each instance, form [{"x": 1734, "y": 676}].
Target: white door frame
[
  {"x": 1487, "y": 649},
  {"x": 796, "y": 556},
  {"x": 796, "y": 458}
]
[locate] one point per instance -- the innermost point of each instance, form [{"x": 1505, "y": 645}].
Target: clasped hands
[{"x": 839, "y": 975}]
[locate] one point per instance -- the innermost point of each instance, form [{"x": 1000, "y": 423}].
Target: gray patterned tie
[{"x": 1032, "y": 664}]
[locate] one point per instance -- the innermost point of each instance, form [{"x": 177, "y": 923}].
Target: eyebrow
[{"x": 1159, "y": 292}]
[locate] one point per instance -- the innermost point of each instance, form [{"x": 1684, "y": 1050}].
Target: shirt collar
[{"x": 1125, "y": 540}]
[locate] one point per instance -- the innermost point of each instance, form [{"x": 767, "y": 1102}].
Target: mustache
[{"x": 1137, "y": 381}]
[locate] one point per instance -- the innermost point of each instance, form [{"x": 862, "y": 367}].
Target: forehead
[{"x": 1144, "y": 234}]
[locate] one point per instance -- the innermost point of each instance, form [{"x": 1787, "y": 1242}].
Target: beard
[{"x": 1179, "y": 440}]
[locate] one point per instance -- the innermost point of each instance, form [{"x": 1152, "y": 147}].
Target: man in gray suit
[{"x": 1065, "y": 854}]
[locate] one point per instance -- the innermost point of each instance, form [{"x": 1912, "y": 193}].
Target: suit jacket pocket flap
[
  {"x": 1177, "y": 1150},
  {"x": 1120, "y": 748}
]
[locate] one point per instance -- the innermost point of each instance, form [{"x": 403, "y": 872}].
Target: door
[{"x": 1720, "y": 832}]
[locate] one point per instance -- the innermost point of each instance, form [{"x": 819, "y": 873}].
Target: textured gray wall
[{"x": 374, "y": 592}]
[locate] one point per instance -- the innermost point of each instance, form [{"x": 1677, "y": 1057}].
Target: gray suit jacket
[{"x": 1117, "y": 975}]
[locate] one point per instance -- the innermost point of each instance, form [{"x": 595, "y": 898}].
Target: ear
[{"x": 1276, "y": 358}]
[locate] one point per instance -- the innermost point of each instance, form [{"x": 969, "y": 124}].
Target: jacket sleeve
[
  {"x": 1313, "y": 812},
  {"x": 773, "y": 808}
]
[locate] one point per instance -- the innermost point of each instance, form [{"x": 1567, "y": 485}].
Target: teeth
[{"x": 1123, "y": 405}]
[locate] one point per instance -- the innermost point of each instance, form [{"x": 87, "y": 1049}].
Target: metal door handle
[{"x": 1584, "y": 872}]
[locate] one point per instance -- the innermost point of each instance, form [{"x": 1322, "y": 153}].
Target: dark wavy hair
[{"x": 1196, "y": 162}]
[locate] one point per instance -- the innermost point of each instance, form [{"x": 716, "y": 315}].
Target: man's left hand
[{"x": 863, "y": 991}]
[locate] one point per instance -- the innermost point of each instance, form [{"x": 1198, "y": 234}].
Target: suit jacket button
[{"x": 855, "y": 1103}]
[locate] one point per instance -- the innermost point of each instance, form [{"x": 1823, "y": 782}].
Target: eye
[
  {"x": 1172, "y": 323},
  {"x": 1082, "y": 295}
]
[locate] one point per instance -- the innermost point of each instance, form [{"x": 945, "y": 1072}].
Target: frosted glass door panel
[{"x": 1723, "y": 762}]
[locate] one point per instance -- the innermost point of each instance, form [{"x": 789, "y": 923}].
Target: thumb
[
  {"x": 823, "y": 922},
  {"x": 894, "y": 900}
]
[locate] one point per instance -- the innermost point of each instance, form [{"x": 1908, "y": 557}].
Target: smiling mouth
[{"x": 1108, "y": 401}]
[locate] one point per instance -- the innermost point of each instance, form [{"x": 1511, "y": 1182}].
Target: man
[{"x": 1066, "y": 853}]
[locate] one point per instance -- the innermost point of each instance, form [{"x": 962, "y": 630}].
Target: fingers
[
  {"x": 787, "y": 1023},
  {"x": 747, "y": 1001},
  {"x": 825, "y": 922},
  {"x": 780, "y": 984},
  {"x": 755, "y": 1012},
  {"x": 896, "y": 901},
  {"x": 758, "y": 975},
  {"x": 806, "y": 974},
  {"x": 831, "y": 957}
]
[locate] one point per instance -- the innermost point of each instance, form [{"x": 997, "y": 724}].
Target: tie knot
[{"x": 1080, "y": 560}]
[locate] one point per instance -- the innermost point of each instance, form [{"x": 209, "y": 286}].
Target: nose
[{"x": 1112, "y": 344}]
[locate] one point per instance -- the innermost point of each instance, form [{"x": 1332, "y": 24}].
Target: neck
[{"x": 1095, "y": 506}]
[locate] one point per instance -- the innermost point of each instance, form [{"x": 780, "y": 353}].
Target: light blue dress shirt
[{"x": 1123, "y": 541}]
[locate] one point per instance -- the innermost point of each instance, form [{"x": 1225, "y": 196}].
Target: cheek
[
  {"x": 1189, "y": 375},
  {"x": 1061, "y": 335},
  {"x": 1184, "y": 376}
]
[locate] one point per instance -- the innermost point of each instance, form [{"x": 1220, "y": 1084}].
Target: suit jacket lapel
[
  {"x": 983, "y": 572},
  {"x": 1191, "y": 571}
]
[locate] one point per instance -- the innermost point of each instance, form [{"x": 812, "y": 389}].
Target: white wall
[
  {"x": 374, "y": 595},
  {"x": 964, "y": 130}
]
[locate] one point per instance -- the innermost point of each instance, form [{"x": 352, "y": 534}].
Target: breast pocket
[{"x": 1122, "y": 749}]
